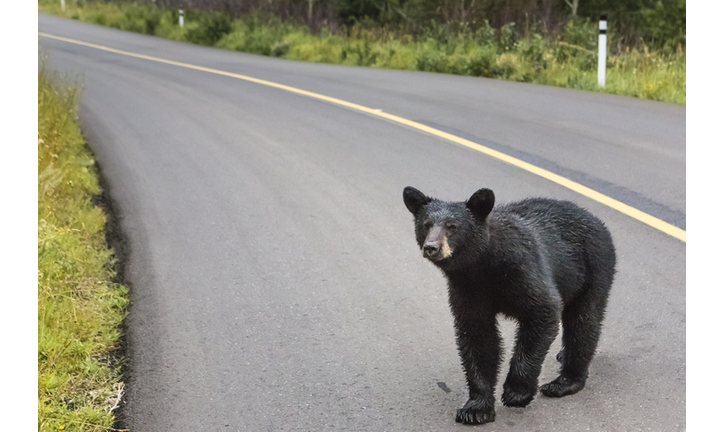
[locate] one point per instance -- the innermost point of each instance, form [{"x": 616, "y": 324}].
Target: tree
[{"x": 573, "y": 5}]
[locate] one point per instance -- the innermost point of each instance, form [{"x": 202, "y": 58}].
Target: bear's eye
[
  {"x": 452, "y": 227},
  {"x": 428, "y": 225}
]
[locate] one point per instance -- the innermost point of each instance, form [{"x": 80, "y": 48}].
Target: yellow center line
[{"x": 577, "y": 187}]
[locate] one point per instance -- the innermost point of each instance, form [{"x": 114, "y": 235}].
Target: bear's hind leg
[
  {"x": 533, "y": 340},
  {"x": 582, "y": 321}
]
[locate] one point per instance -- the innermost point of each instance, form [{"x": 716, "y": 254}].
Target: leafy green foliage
[
  {"x": 665, "y": 23},
  {"x": 210, "y": 28},
  {"x": 566, "y": 59},
  {"x": 660, "y": 24}
]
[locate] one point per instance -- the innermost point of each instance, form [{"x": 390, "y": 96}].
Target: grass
[
  {"x": 566, "y": 60},
  {"x": 80, "y": 306}
]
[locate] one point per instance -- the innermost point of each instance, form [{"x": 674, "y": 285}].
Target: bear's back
[{"x": 549, "y": 216}]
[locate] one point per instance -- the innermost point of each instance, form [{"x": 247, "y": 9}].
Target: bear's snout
[
  {"x": 431, "y": 250},
  {"x": 436, "y": 247}
]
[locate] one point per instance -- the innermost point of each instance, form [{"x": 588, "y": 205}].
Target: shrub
[{"x": 210, "y": 28}]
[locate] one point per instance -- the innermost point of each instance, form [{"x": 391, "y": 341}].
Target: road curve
[{"x": 275, "y": 280}]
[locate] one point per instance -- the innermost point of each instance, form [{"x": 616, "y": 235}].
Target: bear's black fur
[{"x": 539, "y": 261}]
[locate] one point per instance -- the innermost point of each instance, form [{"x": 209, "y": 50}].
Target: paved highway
[{"x": 275, "y": 280}]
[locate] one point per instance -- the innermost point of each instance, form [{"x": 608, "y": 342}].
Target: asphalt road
[{"x": 276, "y": 283}]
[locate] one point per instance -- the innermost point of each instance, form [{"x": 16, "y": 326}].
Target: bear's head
[{"x": 448, "y": 232}]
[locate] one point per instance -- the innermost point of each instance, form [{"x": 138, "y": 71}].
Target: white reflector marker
[{"x": 602, "y": 52}]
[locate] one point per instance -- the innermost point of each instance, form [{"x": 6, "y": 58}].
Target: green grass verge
[
  {"x": 568, "y": 60},
  {"x": 80, "y": 307}
]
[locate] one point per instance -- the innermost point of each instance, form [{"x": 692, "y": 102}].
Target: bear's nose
[{"x": 431, "y": 249}]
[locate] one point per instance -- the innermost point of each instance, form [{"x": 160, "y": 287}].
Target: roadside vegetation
[
  {"x": 80, "y": 303},
  {"x": 648, "y": 63}
]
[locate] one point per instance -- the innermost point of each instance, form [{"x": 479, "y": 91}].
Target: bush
[
  {"x": 508, "y": 37},
  {"x": 210, "y": 28},
  {"x": 665, "y": 25},
  {"x": 581, "y": 32},
  {"x": 430, "y": 57},
  {"x": 533, "y": 50}
]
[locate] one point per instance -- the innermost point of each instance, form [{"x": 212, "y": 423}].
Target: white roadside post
[
  {"x": 181, "y": 17},
  {"x": 602, "y": 51},
  {"x": 62, "y": 4}
]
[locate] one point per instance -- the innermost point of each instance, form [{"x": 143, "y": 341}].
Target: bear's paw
[
  {"x": 476, "y": 411},
  {"x": 518, "y": 395},
  {"x": 562, "y": 386}
]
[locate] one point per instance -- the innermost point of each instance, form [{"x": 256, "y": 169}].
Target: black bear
[{"x": 539, "y": 261}]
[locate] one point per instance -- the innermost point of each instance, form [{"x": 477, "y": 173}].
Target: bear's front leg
[
  {"x": 533, "y": 340},
  {"x": 479, "y": 346}
]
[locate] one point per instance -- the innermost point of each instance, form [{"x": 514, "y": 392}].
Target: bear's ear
[
  {"x": 414, "y": 199},
  {"x": 481, "y": 203}
]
